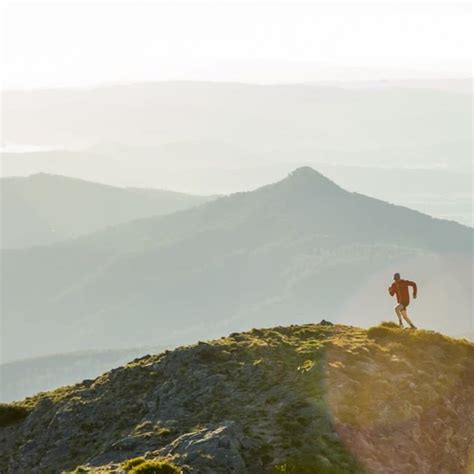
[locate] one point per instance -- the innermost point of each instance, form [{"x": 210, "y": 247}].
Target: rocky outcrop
[
  {"x": 313, "y": 398},
  {"x": 215, "y": 448}
]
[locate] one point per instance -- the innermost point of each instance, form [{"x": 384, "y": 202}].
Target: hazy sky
[{"x": 71, "y": 43}]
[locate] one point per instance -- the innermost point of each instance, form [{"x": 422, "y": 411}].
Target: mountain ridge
[
  {"x": 304, "y": 183},
  {"x": 282, "y": 249},
  {"x": 43, "y": 208},
  {"x": 307, "y": 399}
]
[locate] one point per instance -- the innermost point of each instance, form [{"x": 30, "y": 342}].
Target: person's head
[{"x": 396, "y": 277}]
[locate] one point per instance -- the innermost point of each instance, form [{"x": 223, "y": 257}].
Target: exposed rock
[
  {"x": 300, "y": 399},
  {"x": 216, "y": 448},
  {"x": 326, "y": 323}
]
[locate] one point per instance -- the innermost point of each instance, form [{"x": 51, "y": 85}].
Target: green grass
[
  {"x": 155, "y": 467},
  {"x": 164, "y": 431},
  {"x": 390, "y": 330},
  {"x": 11, "y": 413},
  {"x": 389, "y": 324},
  {"x": 131, "y": 463}
]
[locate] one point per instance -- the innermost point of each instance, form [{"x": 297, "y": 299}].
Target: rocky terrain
[
  {"x": 298, "y": 399},
  {"x": 25, "y": 377}
]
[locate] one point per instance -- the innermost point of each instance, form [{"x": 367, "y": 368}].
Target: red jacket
[{"x": 400, "y": 288}]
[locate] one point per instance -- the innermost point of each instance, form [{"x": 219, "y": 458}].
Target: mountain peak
[
  {"x": 306, "y": 172},
  {"x": 308, "y": 178}
]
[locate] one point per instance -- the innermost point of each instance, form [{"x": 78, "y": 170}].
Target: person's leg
[
  {"x": 398, "y": 310},
  {"x": 406, "y": 318}
]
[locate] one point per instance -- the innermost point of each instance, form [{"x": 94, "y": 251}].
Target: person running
[{"x": 399, "y": 287}]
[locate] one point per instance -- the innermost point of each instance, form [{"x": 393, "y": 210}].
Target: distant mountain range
[
  {"x": 42, "y": 208},
  {"x": 294, "y": 251},
  {"x": 406, "y": 142},
  {"x": 402, "y": 123},
  {"x": 210, "y": 168}
]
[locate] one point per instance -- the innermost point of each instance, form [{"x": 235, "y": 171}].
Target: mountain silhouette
[
  {"x": 42, "y": 209},
  {"x": 284, "y": 253},
  {"x": 308, "y": 180}
]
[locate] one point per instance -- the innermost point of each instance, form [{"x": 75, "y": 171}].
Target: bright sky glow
[{"x": 64, "y": 44}]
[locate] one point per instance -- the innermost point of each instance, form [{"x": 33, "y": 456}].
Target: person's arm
[
  {"x": 413, "y": 285},
  {"x": 391, "y": 289}
]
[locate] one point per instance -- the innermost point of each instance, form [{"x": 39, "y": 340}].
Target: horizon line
[{"x": 312, "y": 83}]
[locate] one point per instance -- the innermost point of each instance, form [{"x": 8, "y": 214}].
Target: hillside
[
  {"x": 299, "y": 399},
  {"x": 272, "y": 255},
  {"x": 26, "y": 377},
  {"x": 446, "y": 192},
  {"x": 42, "y": 209}
]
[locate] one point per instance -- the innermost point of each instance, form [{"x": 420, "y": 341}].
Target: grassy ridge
[{"x": 298, "y": 399}]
